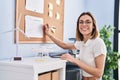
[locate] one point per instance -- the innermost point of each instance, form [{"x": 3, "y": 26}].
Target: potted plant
[{"x": 112, "y": 57}]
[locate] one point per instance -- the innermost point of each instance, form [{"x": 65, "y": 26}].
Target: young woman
[{"x": 92, "y": 48}]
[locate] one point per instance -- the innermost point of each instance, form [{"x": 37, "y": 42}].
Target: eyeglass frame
[{"x": 87, "y": 22}]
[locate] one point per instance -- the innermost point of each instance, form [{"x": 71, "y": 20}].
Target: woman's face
[{"x": 85, "y": 25}]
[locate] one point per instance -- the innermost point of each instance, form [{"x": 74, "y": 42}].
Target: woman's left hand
[{"x": 68, "y": 57}]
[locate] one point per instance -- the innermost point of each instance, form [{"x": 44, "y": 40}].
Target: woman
[{"x": 92, "y": 48}]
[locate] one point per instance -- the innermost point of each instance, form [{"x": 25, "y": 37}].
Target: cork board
[{"x": 53, "y": 14}]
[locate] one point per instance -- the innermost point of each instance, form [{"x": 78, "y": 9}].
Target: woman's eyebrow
[
  {"x": 85, "y": 20},
  {"x": 88, "y": 20}
]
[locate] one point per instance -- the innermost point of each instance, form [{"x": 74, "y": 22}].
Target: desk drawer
[
  {"x": 45, "y": 76},
  {"x": 52, "y": 75},
  {"x": 55, "y": 75}
]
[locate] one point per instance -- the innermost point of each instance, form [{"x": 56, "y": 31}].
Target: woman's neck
[{"x": 86, "y": 38}]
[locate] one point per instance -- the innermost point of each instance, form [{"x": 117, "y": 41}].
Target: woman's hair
[{"x": 95, "y": 32}]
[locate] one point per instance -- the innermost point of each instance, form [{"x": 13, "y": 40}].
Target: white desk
[{"x": 29, "y": 68}]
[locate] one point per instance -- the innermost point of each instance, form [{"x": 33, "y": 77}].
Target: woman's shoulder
[{"x": 98, "y": 40}]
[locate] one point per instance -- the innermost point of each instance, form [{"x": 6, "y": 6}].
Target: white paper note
[
  {"x": 33, "y": 26},
  {"x": 35, "y": 5}
]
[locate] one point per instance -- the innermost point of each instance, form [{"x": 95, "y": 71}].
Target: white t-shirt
[{"x": 89, "y": 50}]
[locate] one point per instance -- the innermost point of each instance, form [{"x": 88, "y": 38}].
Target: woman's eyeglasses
[{"x": 85, "y": 22}]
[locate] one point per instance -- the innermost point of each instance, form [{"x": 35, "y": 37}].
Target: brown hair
[{"x": 95, "y": 32}]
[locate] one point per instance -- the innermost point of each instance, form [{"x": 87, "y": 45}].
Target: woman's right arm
[{"x": 56, "y": 40}]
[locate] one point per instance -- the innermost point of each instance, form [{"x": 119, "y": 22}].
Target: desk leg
[{"x": 62, "y": 73}]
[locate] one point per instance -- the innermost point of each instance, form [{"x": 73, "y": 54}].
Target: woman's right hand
[{"x": 46, "y": 29}]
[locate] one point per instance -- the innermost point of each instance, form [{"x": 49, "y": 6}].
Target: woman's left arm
[{"x": 96, "y": 71}]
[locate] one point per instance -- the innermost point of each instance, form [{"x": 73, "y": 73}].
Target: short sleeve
[{"x": 99, "y": 48}]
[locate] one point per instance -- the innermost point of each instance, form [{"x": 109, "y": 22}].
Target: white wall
[
  {"x": 102, "y": 9},
  {"x": 73, "y": 8}
]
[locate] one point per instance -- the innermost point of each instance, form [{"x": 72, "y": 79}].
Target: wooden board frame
[{"x": 52, "y": 21}]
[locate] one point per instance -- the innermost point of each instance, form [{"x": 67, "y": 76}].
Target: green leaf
[{"x": 112, "y": 57}]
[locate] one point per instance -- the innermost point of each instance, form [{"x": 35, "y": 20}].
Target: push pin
[{"x": 53, "y": 28}]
